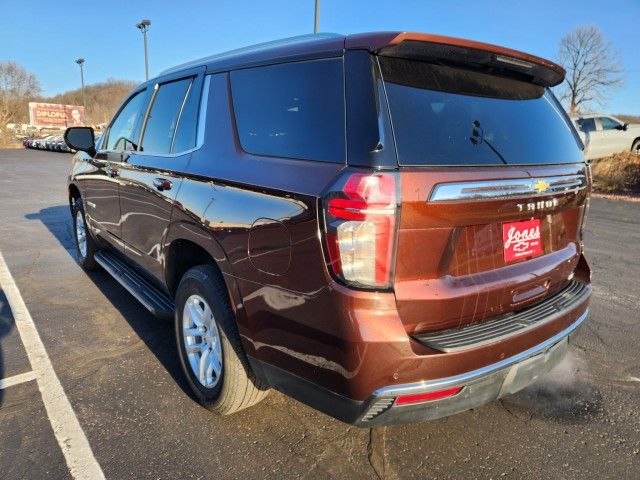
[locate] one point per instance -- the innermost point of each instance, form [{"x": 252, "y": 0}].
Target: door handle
[
  {"x": 162, "y": 184},
  {"x": 113, "y": 172}
]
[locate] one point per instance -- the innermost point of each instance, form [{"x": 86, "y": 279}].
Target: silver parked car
[{"x": 605, "y": 135}]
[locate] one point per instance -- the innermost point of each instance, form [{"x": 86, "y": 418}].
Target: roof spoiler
[{"x": 458, "y": 51}]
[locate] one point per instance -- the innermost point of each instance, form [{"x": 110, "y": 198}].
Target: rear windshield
[{"x": 446, "y": 115}]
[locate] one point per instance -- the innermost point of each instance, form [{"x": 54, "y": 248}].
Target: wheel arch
[
  {"x": 74, "y": 193},
  {"x": 186, "y": 246}
]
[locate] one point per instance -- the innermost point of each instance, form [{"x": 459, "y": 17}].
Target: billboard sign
[{"x": 51, "y": 115}]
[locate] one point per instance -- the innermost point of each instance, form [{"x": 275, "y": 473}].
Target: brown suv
[{"x": 386, "y": 227}]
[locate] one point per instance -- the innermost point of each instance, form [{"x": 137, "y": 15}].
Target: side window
[
  {"x": 163, "y": 117},
  {"x": 586, "y": 124},
  {"x": 187, "y": 132},
  {"x": 609, "y": 123},
  {"x": 292, "y": 110},
  {"x": 125, "y": 128}
]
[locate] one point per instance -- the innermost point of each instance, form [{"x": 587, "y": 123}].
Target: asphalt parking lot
[{"x": 122, "y": 382}]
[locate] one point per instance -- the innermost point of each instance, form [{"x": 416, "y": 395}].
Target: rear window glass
[
  {"x": 445, "y": 115},
  {"x": 163, "y": 117},
  {"x": 292, "y": 110}
]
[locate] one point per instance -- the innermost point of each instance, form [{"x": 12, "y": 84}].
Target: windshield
[{"x": 448, "y": 115}]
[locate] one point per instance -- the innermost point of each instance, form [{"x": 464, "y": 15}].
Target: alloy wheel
[
  {"x": 81, "y": 234},
  {"x": 202, "y": 341}
]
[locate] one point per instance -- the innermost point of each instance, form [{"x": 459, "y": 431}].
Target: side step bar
[{"x": 156, "y": 301}]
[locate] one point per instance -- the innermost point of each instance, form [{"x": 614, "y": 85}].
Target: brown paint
[
  {"x": 462, "y": 277},
  {"x": 377, "y": 41},
  {"x": 252, "y": 213}
]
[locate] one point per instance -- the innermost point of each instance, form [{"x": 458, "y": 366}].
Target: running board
[{"x": 156, "y": 301}]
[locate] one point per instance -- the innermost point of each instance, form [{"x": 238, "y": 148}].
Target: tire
[
  {"x": 84, "y": 254},
  {"x": 635, "y": 148},
  {"x": 227, "y": 384}
]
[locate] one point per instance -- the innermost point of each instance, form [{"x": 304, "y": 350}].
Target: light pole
[
  {"x": 80, "y": 61},
  {"x": 144, "y": 27},
  {"x": 316, "y": 22}
]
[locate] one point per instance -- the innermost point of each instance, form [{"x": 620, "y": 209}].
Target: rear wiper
[{"x": 477, "y": 137}]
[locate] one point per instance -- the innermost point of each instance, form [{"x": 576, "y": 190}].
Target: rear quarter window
[
  {"x": 447, "y": 115},
  {"x": 293, "y": 110}
]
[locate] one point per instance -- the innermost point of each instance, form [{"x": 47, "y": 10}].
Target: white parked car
[{"x": 604, "y": 135}]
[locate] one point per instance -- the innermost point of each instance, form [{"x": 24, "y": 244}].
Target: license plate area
[
  {"x": 525, "y": 373},
  {"x": 521, "y": 240}
]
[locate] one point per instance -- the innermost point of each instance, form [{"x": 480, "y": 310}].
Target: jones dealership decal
[
  {"x": 521, "y": 239},
  {"x": 55, "y": 115}
]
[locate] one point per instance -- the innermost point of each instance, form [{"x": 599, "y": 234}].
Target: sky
[{"x": 46, "y": 37}]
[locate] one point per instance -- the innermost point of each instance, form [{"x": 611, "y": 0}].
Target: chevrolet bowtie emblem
[{"x": 541, "y": 186}]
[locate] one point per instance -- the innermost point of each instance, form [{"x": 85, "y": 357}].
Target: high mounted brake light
[
  {"x": 360, "y": 224},
  {"x": 459, "y": 51}
]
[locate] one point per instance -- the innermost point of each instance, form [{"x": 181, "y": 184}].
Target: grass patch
[{"x": 619, "y": 173}]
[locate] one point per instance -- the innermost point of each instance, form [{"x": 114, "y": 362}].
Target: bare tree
[
  {"x": 592, "y": 65},
  {"x": 17, "y": 86}
]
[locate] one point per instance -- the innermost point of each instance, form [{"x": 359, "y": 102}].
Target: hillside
[
  {"x": 102, "y": 98},
  {"x": 628, "y": 118}
]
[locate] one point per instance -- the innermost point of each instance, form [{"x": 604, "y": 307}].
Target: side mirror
[
  {"x": 625, "y": 127},
  {"x": 81, "y": 138}
]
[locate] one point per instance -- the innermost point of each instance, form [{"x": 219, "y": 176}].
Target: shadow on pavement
[
  {"x": 58, "y": 221},
  {"x": 157, "y": 334},
  {"x": 6, "y": 325}
]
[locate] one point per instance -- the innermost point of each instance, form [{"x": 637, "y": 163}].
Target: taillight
[{"x": 360, "y": 228}]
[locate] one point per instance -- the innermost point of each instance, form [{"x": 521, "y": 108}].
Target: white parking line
[
  {"x": 17, "y": 379},
  {"x": 71, "y": 439}
]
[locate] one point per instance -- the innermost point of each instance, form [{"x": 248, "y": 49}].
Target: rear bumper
[
  {"x": 355, "y": 368},
  {"x": 479, "y": 386}
]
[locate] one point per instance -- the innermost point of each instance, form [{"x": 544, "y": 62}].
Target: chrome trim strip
[
  {"x": 184, "y": 102},
  {"x": 476, "y": 375},
  {"x": 521, "y": 187},
  {"x": 202, "y": 114},
  {"x": 147, "y": 111},
  {"x": 200, "y": 130}
]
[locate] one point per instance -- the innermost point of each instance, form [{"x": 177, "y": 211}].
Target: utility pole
[
  {"x": 316, "y": 23},
  {"x": 80, "y": 61},
  {"x": 144, "y": 27}
]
